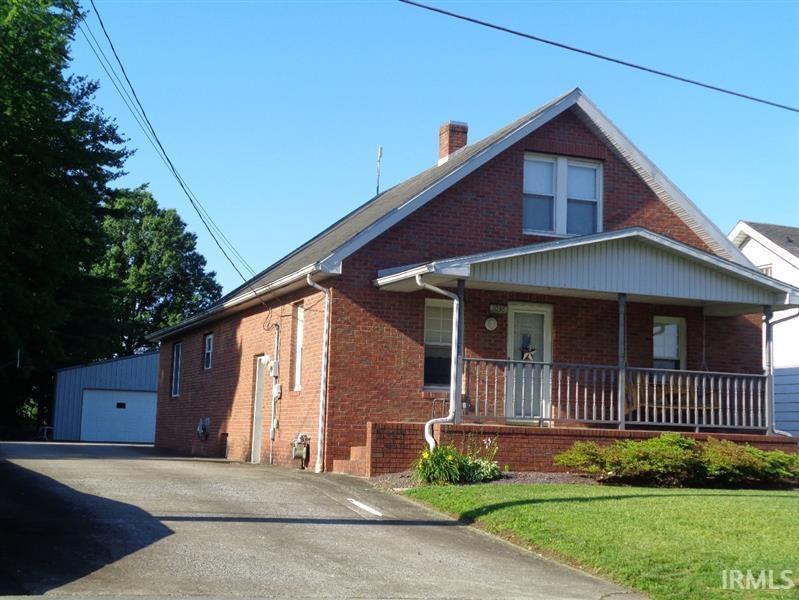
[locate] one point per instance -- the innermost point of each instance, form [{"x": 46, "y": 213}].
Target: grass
[{"x": 669, "y": 543}]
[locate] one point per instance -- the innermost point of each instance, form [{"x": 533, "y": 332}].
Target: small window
[
  {"x": 582, "y": 199},
  {"x": 668, "y": 343},
  {"x": 562, "y": 196},
  {"x": 437, "y": 342},
  {"x": 208, "y": 350},
  {"x": 121, "y": 405},
  {"x": 177, "y": 352},
  {"x": 539, "y": 195},
  {"x": 299, "y": 326},
  {"x": 766, "y": 270}
]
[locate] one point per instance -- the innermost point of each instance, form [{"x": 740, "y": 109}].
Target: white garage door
[{"x": 116, "y": 416}]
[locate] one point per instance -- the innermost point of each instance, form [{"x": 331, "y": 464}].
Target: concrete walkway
[{"x": 78, "y": 519}]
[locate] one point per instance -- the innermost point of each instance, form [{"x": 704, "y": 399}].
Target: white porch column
[
  {"x": 768, "y": 366},
  {"x": 622, "y": 387},
  {"x": 460, "y": 350}
]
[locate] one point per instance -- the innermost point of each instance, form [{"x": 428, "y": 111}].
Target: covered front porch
[{"x": 625, "y": 330}]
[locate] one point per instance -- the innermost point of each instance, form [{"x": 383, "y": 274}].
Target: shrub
[
  {"x": 445, "y": 464},
  {"x": 672, "y": 459},
  {"x": 586, "y": 457},
  {"x": 728, "y": 463}
]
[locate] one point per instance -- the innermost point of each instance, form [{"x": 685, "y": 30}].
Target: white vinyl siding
[
  {"x": 177, "y": 355},
  {"x": 299, "y": 327},
  {"x": 562, "y": 196},
  {"x": 208, "y": 351},
  {"x": 437, "y": 342},
  {"x": 631, "y": 265}
]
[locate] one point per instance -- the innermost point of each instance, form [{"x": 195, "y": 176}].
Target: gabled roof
[
  {"x": 776, "y": 237},
  {"x": 326, "y": 251},
  {"x": 633, "y": 259}
]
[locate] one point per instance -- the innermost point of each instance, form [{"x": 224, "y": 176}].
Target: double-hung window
[
  {"x": 208, "y": 351},
  {"x": 177, "y": 354},
  {"x": 562, "y": 196},
  {"x": 437, "y": 342},
  {"x": 299, "y": 327},
  {"x": 668, "y": 343}
]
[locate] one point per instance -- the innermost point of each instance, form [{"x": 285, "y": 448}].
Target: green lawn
[{"x": 669, "y": 543}]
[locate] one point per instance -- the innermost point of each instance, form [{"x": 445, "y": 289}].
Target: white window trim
[
  {"x": 682, "y": 329},
  {"x": 299, "y": 339},
  {"x": 560, "y": 210},
  {"x": 208, "y": 351},
  {"x": 441, "y": 302},
  {"x": 174, "y": 384}
]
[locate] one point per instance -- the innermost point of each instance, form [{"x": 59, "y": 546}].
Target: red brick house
[{"x": 545, "y": 284}]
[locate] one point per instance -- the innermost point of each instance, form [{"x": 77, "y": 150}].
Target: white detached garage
[{"x": 108, "y": 401}]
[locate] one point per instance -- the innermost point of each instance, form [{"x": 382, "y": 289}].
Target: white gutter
[
  {"x": 454, "y": 372},
  {"x": 320, "y": 437}
]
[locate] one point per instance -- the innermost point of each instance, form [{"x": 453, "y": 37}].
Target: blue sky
[{"x": 273, "y": 111}]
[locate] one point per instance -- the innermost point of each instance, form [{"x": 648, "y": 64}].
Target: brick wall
[
  {"x": 225, "y": 392},
  {"x": 394, "y": 446},
  {"x": 376, "y": 347}
]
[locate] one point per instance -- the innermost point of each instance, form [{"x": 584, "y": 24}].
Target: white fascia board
[
  {"x": 743, "y": 230},
  {"x": 663, "y": 187},
  {"x": 478, "y": 160}
]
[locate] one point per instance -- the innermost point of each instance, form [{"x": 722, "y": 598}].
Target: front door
[{"x": 530, "y": 347}]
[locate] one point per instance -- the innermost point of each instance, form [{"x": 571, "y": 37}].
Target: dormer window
[{"x": 562, "y": 196}]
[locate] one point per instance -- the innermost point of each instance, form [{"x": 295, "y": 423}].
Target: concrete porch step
[{"x": 358, "y": 468}]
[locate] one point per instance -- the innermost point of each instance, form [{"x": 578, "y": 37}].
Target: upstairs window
[
  {"x": 562, "y": 196},
  {"x": 208, "y": 351},
  {"x": 177, "y": 354},
  {"x": 668, "y": 343},
  {"x": 437, "y": 342},
  {"x": 766, "y": 270}
]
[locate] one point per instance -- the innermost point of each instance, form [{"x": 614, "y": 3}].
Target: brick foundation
[{"x": 392, "y": 447}]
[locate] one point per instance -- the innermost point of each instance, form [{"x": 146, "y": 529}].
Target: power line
[
  {"x": 142, "y": 119},
  {"x": 597, "y": 55},
  {"x": 130, "y": 103}
]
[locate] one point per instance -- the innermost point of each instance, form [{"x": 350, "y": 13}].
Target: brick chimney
[{"x": 451, "y": 137}]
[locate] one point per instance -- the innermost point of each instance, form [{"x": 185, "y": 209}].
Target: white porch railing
[{"x": 512, "y": 390}]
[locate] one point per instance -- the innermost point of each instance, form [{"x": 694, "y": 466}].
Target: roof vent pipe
[{"x": 454, "y": 372}]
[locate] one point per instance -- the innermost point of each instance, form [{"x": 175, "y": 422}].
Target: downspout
[
  {"x": 275, "y": 393},
  {"x": 455, "y": 366},
  {"x": 320, "y": 437}
]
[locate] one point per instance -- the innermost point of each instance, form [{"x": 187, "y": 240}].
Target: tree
[
  {"x": 155, "y": 261},
  {"x": 58, "y": 154}
]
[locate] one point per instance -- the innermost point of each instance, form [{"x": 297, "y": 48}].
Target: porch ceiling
[{"x": 646, "y": 266}]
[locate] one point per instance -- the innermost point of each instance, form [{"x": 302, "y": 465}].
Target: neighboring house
[
  {"x": 774, "y": 249},
  {"x": 107, "y": 401},
  {"x": 558, "y": 238}
]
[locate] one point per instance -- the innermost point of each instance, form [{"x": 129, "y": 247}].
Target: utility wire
[
  {"x": 143, "y": 120},
  {"x": 130, "y": 103},
  {"x": 597, "y": 55}
]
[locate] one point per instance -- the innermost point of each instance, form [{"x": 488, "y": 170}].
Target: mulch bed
[{"x": 405, "y": 479}]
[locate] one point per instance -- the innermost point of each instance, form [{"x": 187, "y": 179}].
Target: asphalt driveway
[{"x": 79, "y": 519}]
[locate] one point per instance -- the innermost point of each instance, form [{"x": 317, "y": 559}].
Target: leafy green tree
[
  {"x": 58, "y": 154},
  {"x": 154, "y": 259}
]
